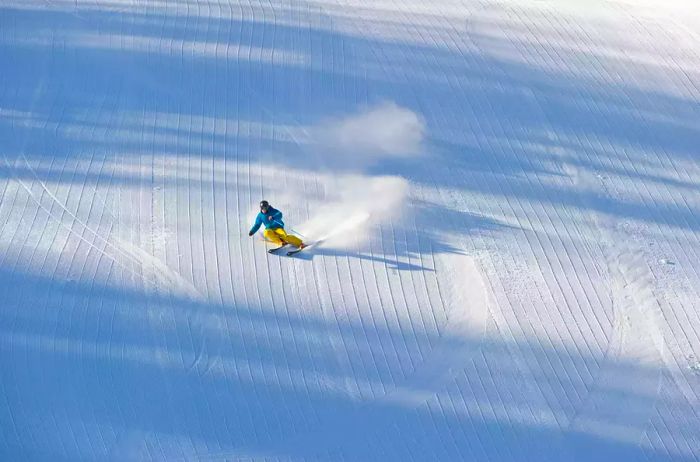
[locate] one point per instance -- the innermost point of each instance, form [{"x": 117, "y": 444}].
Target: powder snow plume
[
  {"x": 356, "y": 203},
  {"x": 386, "y": 131},
  {"x": 356, "y": 142}
]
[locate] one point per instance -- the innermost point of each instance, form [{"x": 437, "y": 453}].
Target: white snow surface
[{"x": 511, "y": 192}]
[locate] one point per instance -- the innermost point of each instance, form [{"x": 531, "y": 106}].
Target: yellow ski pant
[{"x": 280, "y": 236}]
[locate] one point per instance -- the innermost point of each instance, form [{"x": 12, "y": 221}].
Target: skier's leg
[
  {"x": 272, "y": 236},
  {"x": 289, "y": 238}
]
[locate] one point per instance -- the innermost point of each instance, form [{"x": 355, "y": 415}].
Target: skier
[{"x": 274, "y": 227}]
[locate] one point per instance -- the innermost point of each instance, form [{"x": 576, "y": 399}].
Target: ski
[
  {"x": 308, "y": 246},
  {"x": 275, "y": 249}
]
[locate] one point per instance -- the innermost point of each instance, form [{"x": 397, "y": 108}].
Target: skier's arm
[
  {"x": 256, "y": 226},
  {"x": 277, "y": 216}
]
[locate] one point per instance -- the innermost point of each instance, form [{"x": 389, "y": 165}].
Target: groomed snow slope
[{"x": 526, "y": 287}]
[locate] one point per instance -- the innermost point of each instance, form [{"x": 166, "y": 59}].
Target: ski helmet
[{"x": 264, "y": 204}]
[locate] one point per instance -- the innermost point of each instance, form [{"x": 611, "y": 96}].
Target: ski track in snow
[{"x": 537, "y": 298}]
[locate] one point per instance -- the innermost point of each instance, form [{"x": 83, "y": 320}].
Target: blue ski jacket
[{"x": 264, "y": 219}]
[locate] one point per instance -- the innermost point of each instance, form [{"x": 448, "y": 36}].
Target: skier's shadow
[{"x": 392, "y": 263}]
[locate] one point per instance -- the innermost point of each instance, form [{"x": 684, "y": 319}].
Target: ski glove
[{"x": 250, "y": 233}]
